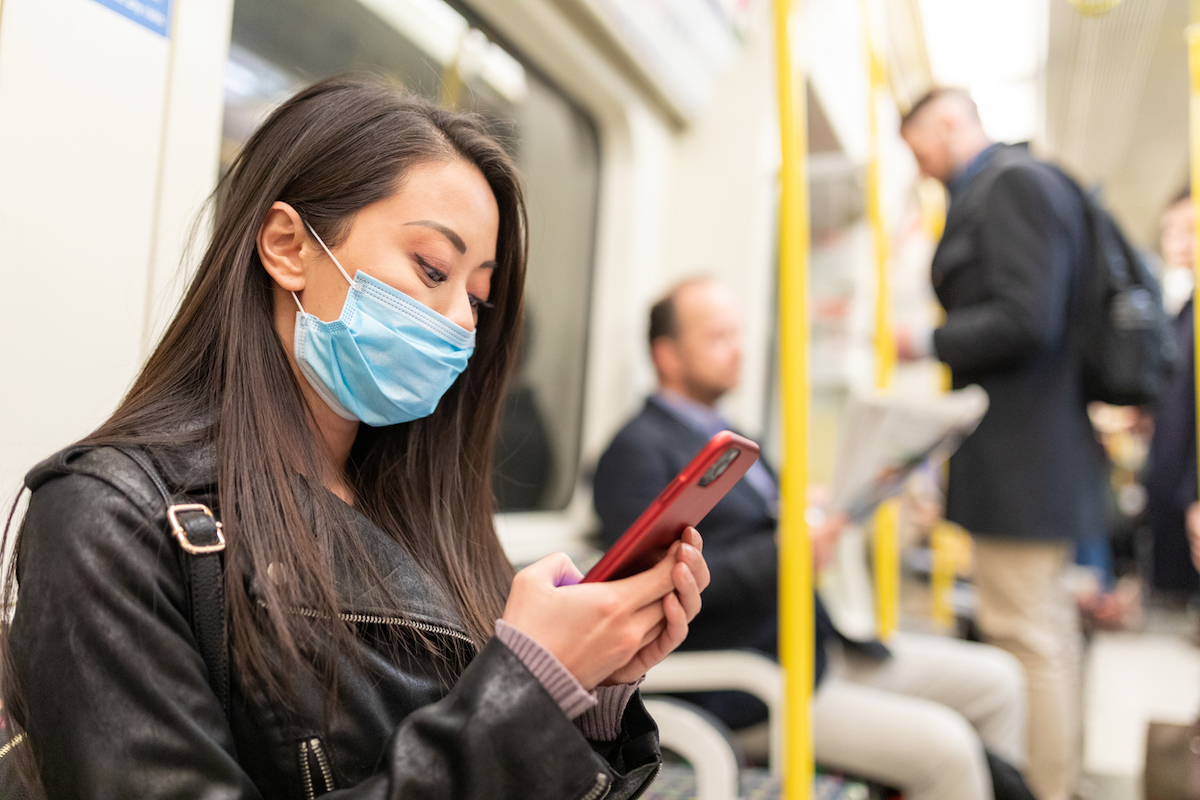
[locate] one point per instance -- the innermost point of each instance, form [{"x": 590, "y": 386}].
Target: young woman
[{"x": 330, "y": 388}]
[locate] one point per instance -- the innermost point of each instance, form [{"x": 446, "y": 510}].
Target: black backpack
[{"x": 1122, "y": 335}]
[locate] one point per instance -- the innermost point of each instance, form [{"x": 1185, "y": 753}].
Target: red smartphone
[{"x": 685, "y": 501}]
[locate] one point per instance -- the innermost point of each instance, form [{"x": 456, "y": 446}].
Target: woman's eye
[
  {"x": 477, "y": 302},
  {"x": 433, "y": 273}
]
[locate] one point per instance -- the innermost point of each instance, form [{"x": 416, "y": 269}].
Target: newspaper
[{"x": 885, "y": 439}]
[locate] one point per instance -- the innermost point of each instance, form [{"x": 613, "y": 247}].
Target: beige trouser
[
  {"x": 1026, "y": 609},
  {"x": 915, "y": 722}
]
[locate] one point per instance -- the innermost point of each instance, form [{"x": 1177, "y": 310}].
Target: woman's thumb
[{"x": 557, "y": 568}]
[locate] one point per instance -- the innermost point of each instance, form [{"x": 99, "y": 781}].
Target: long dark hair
[{"x": 220, "y": 377}]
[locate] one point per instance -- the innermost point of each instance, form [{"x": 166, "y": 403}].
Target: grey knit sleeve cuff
[
  {"x": 602, "y": 722},
  {"x": 557, "y": 680}
]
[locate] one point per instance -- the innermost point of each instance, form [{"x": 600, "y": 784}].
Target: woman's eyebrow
[{"x": 454, "y": 238}]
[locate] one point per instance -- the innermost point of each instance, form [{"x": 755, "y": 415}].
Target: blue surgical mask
[{"x": 387, "y": 359}]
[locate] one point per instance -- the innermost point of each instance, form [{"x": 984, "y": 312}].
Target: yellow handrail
[
  {"x": 887, "y": 550},
  {"x": 1193, "y": 41},
  {"x": 795, "y": 554}
]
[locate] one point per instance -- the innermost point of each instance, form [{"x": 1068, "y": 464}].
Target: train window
[{"x": 442, "y": 52}]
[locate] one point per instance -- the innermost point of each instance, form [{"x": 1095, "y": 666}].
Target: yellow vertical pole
[
  {"x": 795, "y": 554},
  {"x": 943, "y": 541},
  {"x": 887, "y": 550},
  {"x": 885, "y": 346},
  {"x": 1193, "y": 41},
  {"x": 887, "y": 568}
]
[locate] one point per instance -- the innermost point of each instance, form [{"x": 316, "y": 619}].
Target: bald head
[
  {"x": 944, "y": 132},
  {"x": 696, "y": 340}
]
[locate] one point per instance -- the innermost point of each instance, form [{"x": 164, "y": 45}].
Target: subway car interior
[{"x": 865, "y": 234}]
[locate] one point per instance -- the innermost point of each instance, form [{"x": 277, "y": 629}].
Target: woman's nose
[{"x": 461, "y": 313}]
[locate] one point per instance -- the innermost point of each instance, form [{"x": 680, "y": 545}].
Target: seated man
[{"x": 915, "y": 715}]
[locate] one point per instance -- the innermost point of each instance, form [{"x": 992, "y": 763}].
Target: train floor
[{"x": 1130, "y": 680}]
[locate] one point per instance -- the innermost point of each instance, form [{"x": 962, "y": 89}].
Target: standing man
[{"x": 1029, "y": 482}]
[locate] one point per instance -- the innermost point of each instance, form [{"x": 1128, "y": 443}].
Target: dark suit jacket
[
  {"x": 1170, "y": 480},
  {"x": 1005, "y": 271},
  {"x": 740, "y": 605}
]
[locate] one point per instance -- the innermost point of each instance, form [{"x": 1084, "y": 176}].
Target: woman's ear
[{"x": 281, "y": 241}]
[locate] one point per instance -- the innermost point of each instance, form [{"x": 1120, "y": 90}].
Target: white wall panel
[
  {"x": 722, "y": 204},
  {"x": 109, "y": 137},
  {"x": 82, "y": 93},
  {"x": 190, "y": 154}
]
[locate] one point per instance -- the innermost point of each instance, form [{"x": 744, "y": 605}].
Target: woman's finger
[
  {"x": 649, "y": 586},
  {"x": 672, "y": 635},
  {"x": 652, "y": 634},
  {"x": 687, "y": 591},
  {"x": 692, "y": 536},
  {"x": 695, "y": 561},
  {"x": 676, "y": 619},
  {"x": 648, "y": 616}
]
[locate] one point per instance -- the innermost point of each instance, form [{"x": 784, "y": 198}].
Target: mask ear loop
[{"x": 333, "y": 258}]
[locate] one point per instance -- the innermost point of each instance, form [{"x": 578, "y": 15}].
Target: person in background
[
  {"x": 1171, "y": 481},
  {"x": 1177, "y": 240},
  {"x": 917, "y": 717},
  {"x": 1029, "y": 483}
]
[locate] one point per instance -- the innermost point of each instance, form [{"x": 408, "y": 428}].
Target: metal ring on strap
[{"x": 181, "y": 533}]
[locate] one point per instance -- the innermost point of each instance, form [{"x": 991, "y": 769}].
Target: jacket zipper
[
  {"x": 323, "y": 763},
  {"x": 306, "y": 773},
  {"x": 373, "y": 619},
  {"x": 600, "y": 790},
  {"x": 646, "y": 786},
  {"x": 10, "y": 745}
]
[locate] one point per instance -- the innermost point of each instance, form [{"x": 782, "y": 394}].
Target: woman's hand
[
  {"x": 609, "y": 632},
  {"x": 690, "y": 576}
]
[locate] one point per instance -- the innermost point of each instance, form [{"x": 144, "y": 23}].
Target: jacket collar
[
  {"x": 655, "y": 406},
  {"x": 996, "y": 153}
]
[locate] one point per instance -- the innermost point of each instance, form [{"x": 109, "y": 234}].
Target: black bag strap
[{"x": 201, "y": 542}]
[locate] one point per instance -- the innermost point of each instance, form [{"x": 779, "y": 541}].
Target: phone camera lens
[{"x": 718, "y": 469}]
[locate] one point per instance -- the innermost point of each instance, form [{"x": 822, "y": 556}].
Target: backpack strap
[{"x": 201, "y": 542}]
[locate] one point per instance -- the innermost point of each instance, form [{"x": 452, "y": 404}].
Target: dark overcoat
[
  {"x": 1170, "y": 478},
  {"x": 1005, "y": 272}
]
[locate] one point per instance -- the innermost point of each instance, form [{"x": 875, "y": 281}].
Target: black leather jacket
[{"x": 119, "y": 705}]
